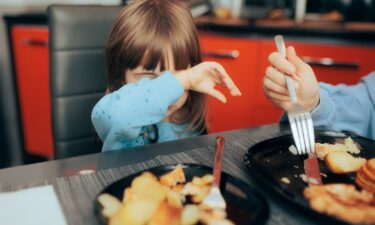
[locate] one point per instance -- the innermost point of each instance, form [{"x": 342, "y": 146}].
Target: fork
[
  {"x": 299, "y": 118},
  {"x": 214, "y": 199}
]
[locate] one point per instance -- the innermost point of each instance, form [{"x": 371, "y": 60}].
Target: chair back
[{"x": 78, "y": 74}]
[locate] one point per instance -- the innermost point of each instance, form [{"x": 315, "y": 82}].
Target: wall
[{"x": 10, "y": 134}]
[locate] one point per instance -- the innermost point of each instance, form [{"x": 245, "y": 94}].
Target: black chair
[{"x": 78, "y": 74}]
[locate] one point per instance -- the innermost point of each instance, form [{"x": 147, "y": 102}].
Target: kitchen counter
[
  {"x": 357, "y": 32},
  {"x": 320, "y": 30}
]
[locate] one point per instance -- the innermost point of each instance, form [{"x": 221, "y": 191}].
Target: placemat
[{"x": 77, "y": 193}]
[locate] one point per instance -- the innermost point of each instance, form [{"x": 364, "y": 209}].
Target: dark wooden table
[{"x": 101, "y": 161}]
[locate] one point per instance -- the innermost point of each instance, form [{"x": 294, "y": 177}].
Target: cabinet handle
[
  {"x": 35, "y": 42},
  {"x": 331, "y": 63},
  {"x": 233, "y": 54}
]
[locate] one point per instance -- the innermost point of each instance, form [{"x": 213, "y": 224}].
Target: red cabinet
[
  {"x": 30, "y": 50},
  {"x": 239, "y": 58}
]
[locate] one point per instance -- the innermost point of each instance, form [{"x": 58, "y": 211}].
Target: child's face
[{"x": 134, "y": 75}]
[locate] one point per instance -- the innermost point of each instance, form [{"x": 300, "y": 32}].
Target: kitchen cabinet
[
  {"x": 31, "y": 62},
  {"x": 239, "y": 58}
]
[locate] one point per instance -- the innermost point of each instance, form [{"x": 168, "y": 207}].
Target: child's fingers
[
  {"x": 286, "y": 106},
  {"x": 279, "y": 97},
  {"x": 293, "y": 58},
  {"x": 273, "y": 96},
  {"x": 281, "y": 63},
  {"x": 226, "y": 80},
  {"x": 276, "y": 76},
  {"x": 228, "y": 83},
  {"x": 213, "y": 74},
  {"x": 217, "y": 94},
  {"x": 273, "y": 86}
]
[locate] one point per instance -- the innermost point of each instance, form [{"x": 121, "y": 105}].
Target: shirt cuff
[{"x": 325, "y": 107}]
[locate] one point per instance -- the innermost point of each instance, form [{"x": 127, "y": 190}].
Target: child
[
  {"x": 156, "y": 78},
  {"x": 338, "y": 108}
]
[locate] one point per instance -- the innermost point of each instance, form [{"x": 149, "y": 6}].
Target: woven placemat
[{"x": 77, "y": 193}]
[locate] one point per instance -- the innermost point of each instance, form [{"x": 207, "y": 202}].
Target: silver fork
[
  {"x": 299, "y": 118},
  {"x": 214, "y": 199}
]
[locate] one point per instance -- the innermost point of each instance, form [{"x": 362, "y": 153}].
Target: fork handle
[
  {"x": 279, "y": 40},
  {"x": 218, "y": 160}
]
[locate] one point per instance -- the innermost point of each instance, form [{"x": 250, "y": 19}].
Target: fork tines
[{"x": 303, "y": 132}]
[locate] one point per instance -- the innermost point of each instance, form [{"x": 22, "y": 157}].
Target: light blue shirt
[
  {"x": 120, "y": 118},
  {"x": 347, "y": 108}
]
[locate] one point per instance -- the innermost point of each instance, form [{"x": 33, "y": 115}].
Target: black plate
[
  {"x": 244, "y": 204},
  {"x": 271, "y": 160}
]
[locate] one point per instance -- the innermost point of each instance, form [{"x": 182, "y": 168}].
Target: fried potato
[
  {"x": 342, "y": 201},
  {"x": 110, "y": 204},
  {"x": 349, "y": 146},
  {"x": 151, "y": 202},
  {"x": 196, "y": 192},
  {"x": 166, "y": 215},
  {"x": 173, "y": 178},
  {"x": 343, "y": 162},
  {"x": 174, "y": 199},
  {"x": 202, "y": 181},
  {"x": 190, "y": 215},
  {"x": 366, "y": 176},
  {"x": 136, "y": 212},
  {"x": 147, "y": 186}
]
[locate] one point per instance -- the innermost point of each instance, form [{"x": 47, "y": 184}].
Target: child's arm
[
  {"x": 347, "y": 108},
  {"x": 120, "y": 115}
]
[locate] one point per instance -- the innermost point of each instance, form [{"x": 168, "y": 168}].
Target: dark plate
[
  {"x": 271, "y": 160},
  {"x": 244, "y": 204}
]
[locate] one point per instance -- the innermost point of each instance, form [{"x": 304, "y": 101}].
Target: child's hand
[
  {"x": 274, "y": 85},
  {"x": 204, "y": 77}
]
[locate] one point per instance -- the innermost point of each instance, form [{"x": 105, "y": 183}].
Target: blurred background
[{"x": 346, "y": 25}]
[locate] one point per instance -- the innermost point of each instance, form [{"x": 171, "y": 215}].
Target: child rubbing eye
[{"x": 156, "y": 80}]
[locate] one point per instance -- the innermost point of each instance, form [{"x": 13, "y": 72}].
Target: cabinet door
[
  {"x": 238, "y": 56},
  {"x": 30, "y": 48},
  {"x": 332, "y": 63}
]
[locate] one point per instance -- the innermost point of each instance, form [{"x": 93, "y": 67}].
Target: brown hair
[{"x": 141, "y": 35}]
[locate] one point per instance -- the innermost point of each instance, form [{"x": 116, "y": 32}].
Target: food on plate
[
  {"x": 167, "y": 200},
  {"x": 285, "y": 180},
  {"x": 173, "y": 178},
  {"x": 110, "y": 204},
  {"x": 342, "y": 201},
  {"x": 343, "y": 162},
  {"x": 308, "y": 180},
  {"x": 366, "y": 176},
  {"x": 349, "y": 146},
  {"x": 293, "y": 149},
  {"x": 322, "y": 149}
]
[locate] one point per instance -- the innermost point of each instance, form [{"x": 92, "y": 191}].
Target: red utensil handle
[{"x": 218, "y": 159}]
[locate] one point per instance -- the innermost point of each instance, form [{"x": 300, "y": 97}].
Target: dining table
[{"x": 78, "y": 180}]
